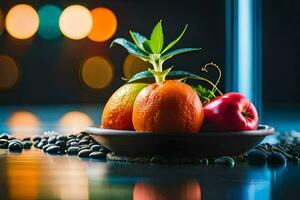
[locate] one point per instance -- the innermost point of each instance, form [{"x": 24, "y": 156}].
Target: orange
[
  {"x": 117, "y": 113},
  {"x": 171, "y": 106}
]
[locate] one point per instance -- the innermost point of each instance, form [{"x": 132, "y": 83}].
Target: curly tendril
[{"x": 215, "y": 88}]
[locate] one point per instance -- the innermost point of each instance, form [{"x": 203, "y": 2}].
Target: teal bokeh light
[{"x": 49, "y": 18}]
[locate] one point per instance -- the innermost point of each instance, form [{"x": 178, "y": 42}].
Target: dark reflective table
[{"x": 33, "y": 174}]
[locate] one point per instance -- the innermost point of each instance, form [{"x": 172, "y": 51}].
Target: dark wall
[
  {"x": 281, "y": 42},
  {"x": 49, "y": 69}
]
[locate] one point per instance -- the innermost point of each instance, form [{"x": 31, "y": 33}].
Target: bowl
[{"x": 202, "y": 144}]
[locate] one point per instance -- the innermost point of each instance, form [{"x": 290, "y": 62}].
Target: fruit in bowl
[
  {"x": 117, "y": 113},
  {"x": 230, "y": 112},
  {"x": 170, "y": 104}
]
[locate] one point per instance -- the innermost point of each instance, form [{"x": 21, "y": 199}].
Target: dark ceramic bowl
[{"x": 208, "y": 144}]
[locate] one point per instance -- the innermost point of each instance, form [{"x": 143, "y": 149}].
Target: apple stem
[
  {"x": 215, "y": 88},
  {"x": 245, "y": 112}
]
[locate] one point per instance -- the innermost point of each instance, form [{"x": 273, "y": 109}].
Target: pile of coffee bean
[
  {"x": 13, "y": 144},
  {"x": 82, "y": 145},
  {"x": 287, "y": 149},
  {"x": 53, "y": 143}
]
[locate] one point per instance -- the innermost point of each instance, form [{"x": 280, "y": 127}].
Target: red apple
[{"x": 230, "y": 112}]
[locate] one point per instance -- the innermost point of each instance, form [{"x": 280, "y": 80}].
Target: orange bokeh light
[
  {"x": 22, "y": 21},
  {"x": 21, "y": 122},
  {"x": 74, "y": 122},
  {"x": 76, "y": 22},
  {"x": 104, "y": 24},
  {"x": 23, "y": 119},
  {"x": 9, "y": 72},
  {"x": 97, "y": 72}
]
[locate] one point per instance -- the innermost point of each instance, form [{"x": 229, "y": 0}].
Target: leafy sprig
[
  {"x": 204, "y": 94},
  {"x": 152, "y": 50}
]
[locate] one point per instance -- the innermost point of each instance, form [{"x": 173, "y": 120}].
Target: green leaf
[
  {"x": 146, "y": 75},
  {"x": 131, "y": 48},
  {"x": 141, "y": 76},
  {"x": 175, "y": 41},
  {"x": 146, "y": 46},
  {"x": 139, "y": 40},
  {"x": 178, "y": 51},
  {"x": 157, "y": 38},
  {"x": 204, "y": 94}
]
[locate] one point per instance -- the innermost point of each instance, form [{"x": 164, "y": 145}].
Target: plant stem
[{"x": 157, "y": 67}]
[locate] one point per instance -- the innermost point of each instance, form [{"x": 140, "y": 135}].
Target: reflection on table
[{"x": 35, "y": 175}]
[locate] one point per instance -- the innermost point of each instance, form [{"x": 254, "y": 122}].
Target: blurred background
[{"x": 57, "y": 70}]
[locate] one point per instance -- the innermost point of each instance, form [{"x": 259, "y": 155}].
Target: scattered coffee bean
[
  {"x": 26, "y": 139},
  {"x": 96, "y": 147},
  {"x": 72, "y": 136},
  {"x": 60, "y": 143},
  {"x": 87, "y": 137},
  {"x": 81, "y": 142},
  {"x": 73, "y": 140},
  {"x": 92, "y": 144},
  {"x": 4, "y": 136},
  {"x": 73, "y": 150},
  {"x": 256, "y": 157},
  {"x": 12, "y": 138},
  {"x": 72, "y": 144},
  {"x": 276, "y": 159},
  {"x": 52, "y": 140},
  {"x": 204, "y": 161},
  {"x": 84, "y": 153},
  {"x": 81, "y": 135},
  {"x": 15, "y": 147},
  {"x": 104, "y": 150},
  {"x": 4, "y": 143},
  {"x": 97, "y": 155},
  {"x": 225, "y": 160},
  {"x": 40, "y": 145},
  {"x": 45, "y": 147},
  {"x": 36, "y": 143},
  {"x": 84, "y": 147},
  {"x": 37, "y": 138},
  {"x": 27, "y": 144},
  {"x": 15, "y": 140},
  {"x": 62, "y": 138},
  {"x": 54, "y": 150}
]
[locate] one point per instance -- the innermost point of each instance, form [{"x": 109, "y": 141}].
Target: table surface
[{"x": 33, "y": 174}]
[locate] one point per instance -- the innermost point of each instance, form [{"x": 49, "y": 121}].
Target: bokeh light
[
  {"x": 22, "y": 21},
  {"x": 133, "y": 65},
  {"x": 1, "y": 21},
  {"x": 97, "y": 72},
  {"x": 21, "y": 122},
  {"x": 49, "y": 18},
  {"x": 76, "y": 22},
  {"x": 9, "y": 72},
  {"x": 104, "y": 24},
  {"x": 74, "y": 122}
]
